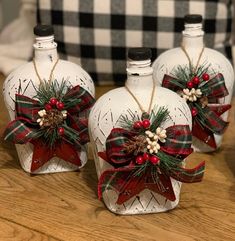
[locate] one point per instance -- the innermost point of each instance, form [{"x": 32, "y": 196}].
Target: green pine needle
[
  {"x": 126, "y": 122},
  {"x": 56, "y": 90},
  {"x": 185, "y": 73},
  {"x": 48, "y": 90},
  {"x": 141, "y": 169},
  {"x": 170, "y": 163},
  {"x": 158, "y": 117},
  {"x": 182, "y": 73}
]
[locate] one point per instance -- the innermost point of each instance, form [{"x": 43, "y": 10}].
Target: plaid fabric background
[{"x": 97, "y": 33}]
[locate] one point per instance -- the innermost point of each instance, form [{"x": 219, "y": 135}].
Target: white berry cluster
[
  {"x": 153, "y": 138},
  {"x": 192, "y": 94},
  {"x": 43, "y": 114}
]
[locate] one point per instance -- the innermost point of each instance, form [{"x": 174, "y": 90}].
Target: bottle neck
[
  {"x": 45, "y": 49},
  {"x": 193, "y": 36},
  {"x": 139, "y": 75}
]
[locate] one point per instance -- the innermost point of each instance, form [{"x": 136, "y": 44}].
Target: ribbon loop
[
  {"x": 215, "y": 87},
  {"x": 178, "y": 141},
  {"x": 26, "y": 107},
  {"x": 116, "y": 153}
]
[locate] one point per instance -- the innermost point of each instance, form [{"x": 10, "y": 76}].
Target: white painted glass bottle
[
  {"x": 26, "y": 79},
  {"x": 109, "y": 116},
  {"x": 214, "y": 72}
]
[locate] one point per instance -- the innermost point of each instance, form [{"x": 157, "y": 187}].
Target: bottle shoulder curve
[
  {"x": 72, "y": 70},
  {"x": 166, "y": 54},
  {"x": 112, "y": 95},
  {"x": 169, "y": 96},
  {"x": 20, "y": 70}
]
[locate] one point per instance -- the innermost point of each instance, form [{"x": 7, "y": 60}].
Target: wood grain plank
[{"x": 10, "y": 230}]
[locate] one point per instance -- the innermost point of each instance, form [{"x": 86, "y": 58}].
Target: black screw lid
[
  {"x": 43, "y": 30},
  {"x": 139, "y": 53},
  {"x": 193, "y": 18}
]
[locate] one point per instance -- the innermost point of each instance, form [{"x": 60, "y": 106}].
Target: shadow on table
[
  {"x": 230, "y": 161},
  {"x": 8, "y": 156},
  {"x": 89, "y": 177}
]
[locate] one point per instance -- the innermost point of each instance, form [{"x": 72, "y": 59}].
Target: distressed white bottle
[
  {"x": 104, "y": 117},
  {"x": 24, "y": 79},
  {"x": 192, "y": 40}
]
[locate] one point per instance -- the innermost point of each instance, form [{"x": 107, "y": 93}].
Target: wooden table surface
[{"x": 64, "y": 206}]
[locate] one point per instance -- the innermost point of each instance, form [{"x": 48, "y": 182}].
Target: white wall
[{"x": 10, "y": 10}]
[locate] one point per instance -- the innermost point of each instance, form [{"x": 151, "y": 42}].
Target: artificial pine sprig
[
  {"x": 170, "y": 162},
  {"x": 57, "y": 91},
  {"x": 183, "y": 74},
  {"x": 158, "y": 117},
  {"x": 50, "y": 136},
  {"x": 141, "y": 169},
  {"x": 126, "y": 122},
  {"x": 51, "y": 90}
]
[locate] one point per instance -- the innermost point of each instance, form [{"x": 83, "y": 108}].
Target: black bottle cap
[
  {"x": 193, "y": 18},
  {"x": 139, "y": 53},
  {"x": 43, "y": 30}
]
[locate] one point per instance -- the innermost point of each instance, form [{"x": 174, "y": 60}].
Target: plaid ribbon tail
[
  {"x": 220, "y": 109},
  {"x": 206, "y": 124},
  {"x": 203, "y": 134},
  {"x": 172, "y": 166},
  {"x": 208, "y": 121},
  {"x": 189, "y": 175},
  {"x": 19, "y": 131}
]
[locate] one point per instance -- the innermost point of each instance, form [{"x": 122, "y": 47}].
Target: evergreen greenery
[{"x": 157, "y": 117}]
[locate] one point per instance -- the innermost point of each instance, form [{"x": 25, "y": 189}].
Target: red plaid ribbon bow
[
  {"x": 207, "y": 121},
  {"x": 128, "y": 178},
  {"x": 25, "y": 129}
]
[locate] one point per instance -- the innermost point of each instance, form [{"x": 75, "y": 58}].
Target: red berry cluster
[
  {"x": 194, "y": 82},
  {"x": 54, "y": 103},
  {"x": 141, "y": 159},
  {"x": 142, "y": 124}
]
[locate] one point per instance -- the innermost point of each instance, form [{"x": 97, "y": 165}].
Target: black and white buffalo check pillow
[{"x": 97, "y": 33}]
